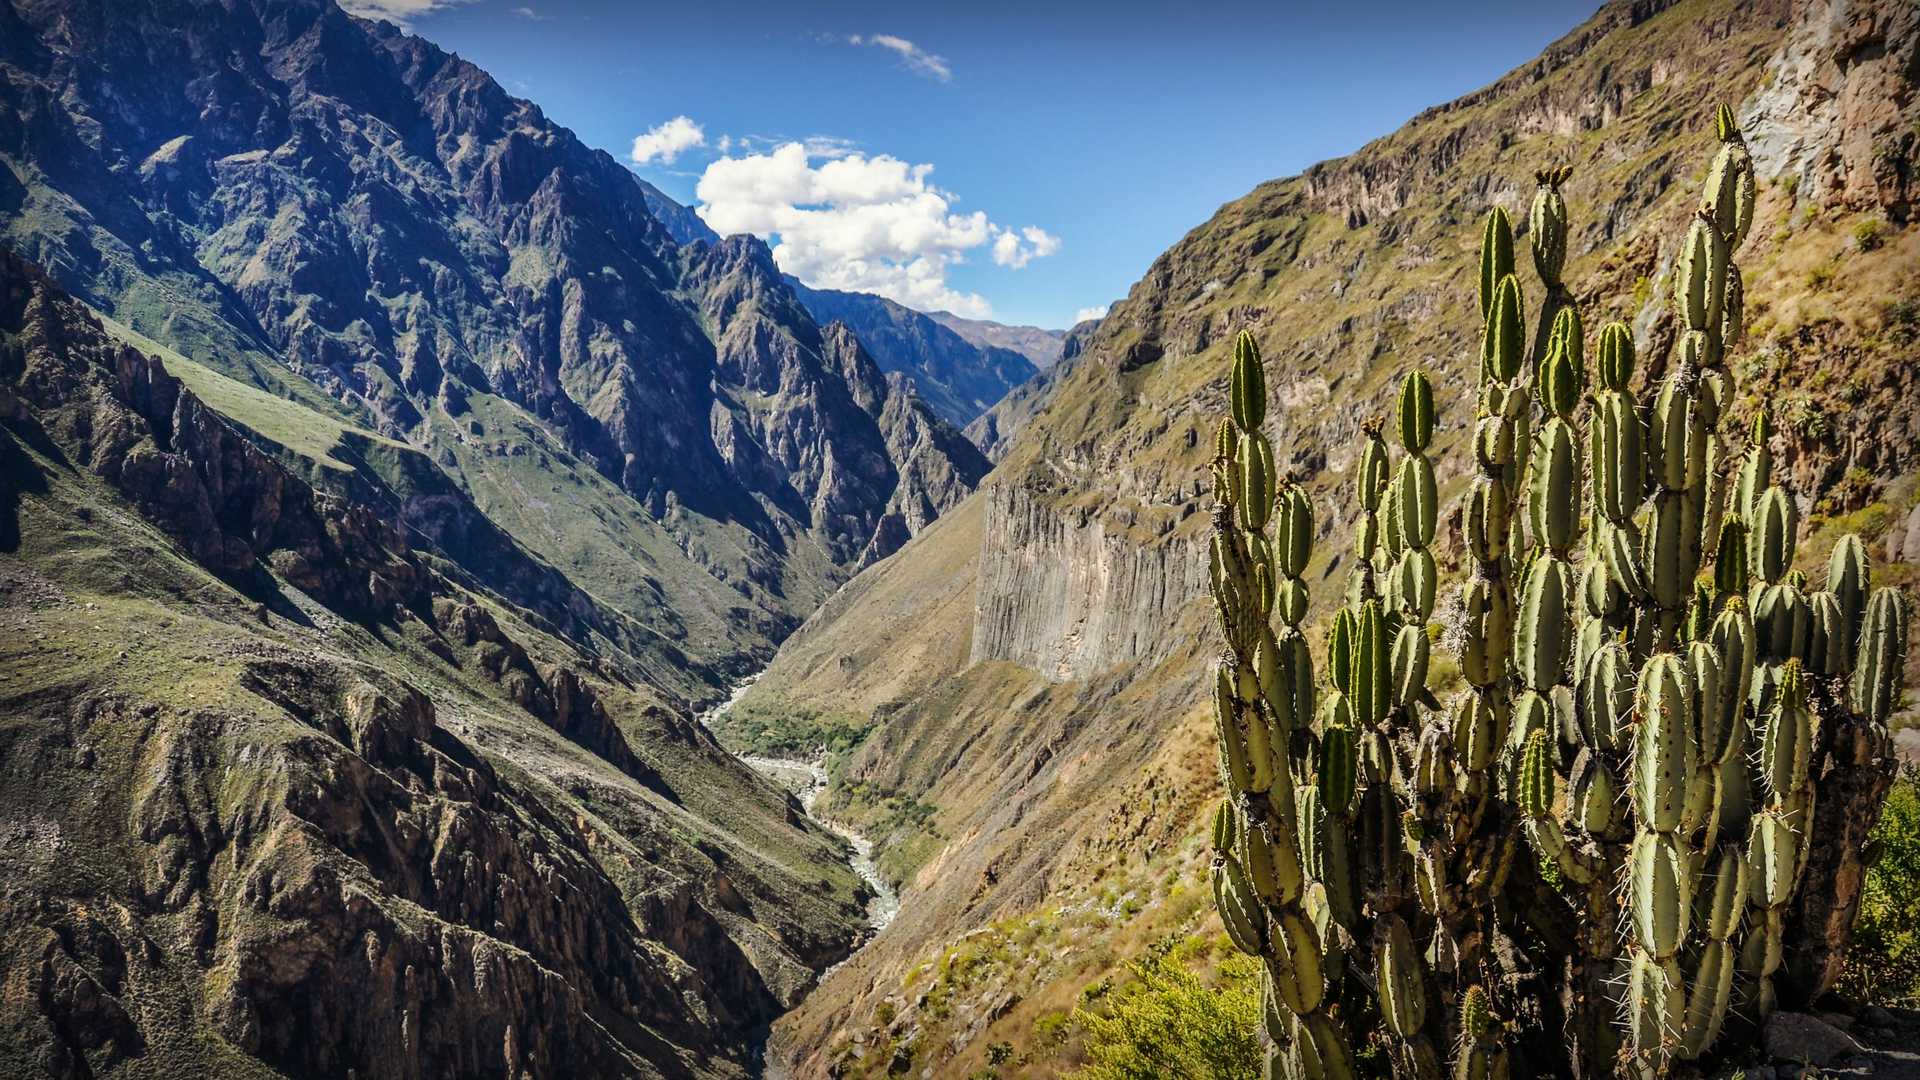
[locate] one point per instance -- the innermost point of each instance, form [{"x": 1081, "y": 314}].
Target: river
[{"x": 807, "y": 780}]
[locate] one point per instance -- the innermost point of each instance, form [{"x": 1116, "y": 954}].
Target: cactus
[{"x": 1659, "y": 714}]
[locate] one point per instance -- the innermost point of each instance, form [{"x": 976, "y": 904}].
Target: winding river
[{"x": 807, "y": 780}]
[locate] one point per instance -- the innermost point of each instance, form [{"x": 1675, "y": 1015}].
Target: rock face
[
  {"x": 1069, "y": 595},
  {"x": 959, "y": 378},
  {"x": 1062, "y": 744},
  {"x": 347, "y": 215},
  {"x": 281, "y": 795}
]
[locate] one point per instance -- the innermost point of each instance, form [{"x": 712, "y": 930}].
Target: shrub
[
  {"x": 1869, "y": 233},
  {"x": 1884, "y": 964},
  {"x": 1167, "y": 1021}
]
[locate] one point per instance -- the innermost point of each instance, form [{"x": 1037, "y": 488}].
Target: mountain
[
  {"x": 385, "y": 486},
  {"x": 993, "y": 431},
  {"x": 288, "y": 796},
  {"x": 639, "y": 438},
  {"x": 680, "y": 221},
  {"x": 1030, "y": 672},
  {"x": 1040, "y": 347},
  {"x": 958, "y": 377}
]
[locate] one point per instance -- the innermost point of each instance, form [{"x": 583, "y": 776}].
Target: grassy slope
[{"x": 1046, "y": 798}]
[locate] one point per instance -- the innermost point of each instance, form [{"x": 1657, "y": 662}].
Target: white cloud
[
  {"x": 1086, "y": 313},
  {"x": 912, "y": 57},
  {"x": 399, "y": 12},
  {"x": 1017, "y": 249},
  {"x": 668, "y": 141},
  {"x": 529, "y": 14},
  {"x": 843, "y": 220}
]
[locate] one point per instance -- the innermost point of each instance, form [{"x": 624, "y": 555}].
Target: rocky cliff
[
  {"x": 350, "y": 218},
  {"x": 959, "y": 378},
  {"x": 1041, "y": 781},
  {"x": 1070, "y": 594},
  {"x": 283, "y": 798}
]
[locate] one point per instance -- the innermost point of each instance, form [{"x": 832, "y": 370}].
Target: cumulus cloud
[
  {"x": 1086, "y": 313},
  {"x": 840, "y": 219},
  {"x": 398, "y": 12},
  {"x": 912, "y": 57},
  {"x": 1017, "y": 249},
  {"x": 668, "y": 141}
]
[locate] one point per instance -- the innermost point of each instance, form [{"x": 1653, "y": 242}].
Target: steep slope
[
  {"x": 993, "y": 431},
  {"x": 1039, "y": 780},
  {"x": 1041, "y": 347},
  {"x": 959, "y": 378},
  {"x": 284, "y": 799},
  {"x": 348, "y": 217}
]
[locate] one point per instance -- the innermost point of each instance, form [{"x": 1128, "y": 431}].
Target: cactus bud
[
  {"x": 1536, "y": 776},
  {"x": 1247, "y": 387},
  {"x": 1504, "y": 341},
  {"x": 1496, "y": 258},
  {"x": 1401, "y": 976},
  {"x": 1547, "y": 227},
  {"x": 1615, "y": 356},
  {"x": 1416, "y": 411}
]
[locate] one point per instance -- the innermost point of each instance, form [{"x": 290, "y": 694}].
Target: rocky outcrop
[
  {"x": 958, "y": 377},
  {"x": 118, "y": 412},
  {"x": 1067, "y": 594},
  {"x": 1836, "y": 114}
]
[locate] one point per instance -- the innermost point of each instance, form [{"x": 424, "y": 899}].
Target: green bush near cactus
[
  {"x": 1639, "y": 828},
  {"x": 1168, "y": 1021},
  {"x": 1884, "y": 964}
]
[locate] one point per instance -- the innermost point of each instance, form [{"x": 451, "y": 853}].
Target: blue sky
[{"x": 1069, "y": 143}]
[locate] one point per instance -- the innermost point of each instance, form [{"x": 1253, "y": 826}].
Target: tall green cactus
[{"x": 1607, "y": 835}]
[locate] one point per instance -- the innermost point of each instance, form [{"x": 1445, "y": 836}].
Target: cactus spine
[{"x": 1658, "y": 713}]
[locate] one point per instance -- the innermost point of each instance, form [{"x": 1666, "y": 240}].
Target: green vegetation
[
  {"x": 1646, "y": 671},
  {"x": 772, "y": 725},
  {"x": 1168, "y": 1021},
  {"x": 1869, "y": 233},
  {"x": 1884, "y": 965}
]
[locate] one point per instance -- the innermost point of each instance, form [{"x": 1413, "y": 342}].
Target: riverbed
[{"x": 807, "y": 780}]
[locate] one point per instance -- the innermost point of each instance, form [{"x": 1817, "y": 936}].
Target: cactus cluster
[{"x": 1613, "y": 847}]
